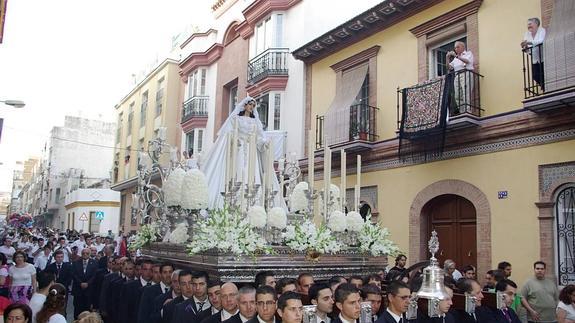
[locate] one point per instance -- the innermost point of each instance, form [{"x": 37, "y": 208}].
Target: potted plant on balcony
[{"x": 357, "y": 130}]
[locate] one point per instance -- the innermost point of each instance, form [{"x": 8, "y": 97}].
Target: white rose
[
  {"x": 354, "y": 221},
  {"x": 173, "y": 187},
  {"x": 277, "y": 218},
  {"x": 337, "y": 221},
  {"x": 257, "y": 217}
]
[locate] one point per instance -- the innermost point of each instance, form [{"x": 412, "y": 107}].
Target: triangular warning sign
[{"x": 83, "y": 217}]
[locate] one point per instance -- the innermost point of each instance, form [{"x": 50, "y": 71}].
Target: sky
[{"x": 77, "y": 57}]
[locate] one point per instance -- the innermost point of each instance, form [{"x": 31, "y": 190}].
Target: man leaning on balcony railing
[
  {"x": 533, "y": 40},
  {"x": 461, "y": 60}
]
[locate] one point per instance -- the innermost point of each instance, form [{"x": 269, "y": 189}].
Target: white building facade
[{"x": 93, "y": 210}]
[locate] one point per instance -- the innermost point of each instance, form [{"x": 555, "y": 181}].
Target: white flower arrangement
[
  {"x": 337, "y": 222},
  {"x": 257, "y": 217},
  {"x": 147, "y": 233},
  {"x": 180, "y": 234},
  {"x": 194, "y": 190},
  {"x": 307, "y": 237},
  {"x": 298, "y": 199},
  {"x": 354, "y": 221},
  {"x": 334, "y": 190},
  {"x": 375, "y": 240},
  {"x": 227, "y": 231},
  {"x": 277, "y": 218},
  {"x": 172, "y": 187}
]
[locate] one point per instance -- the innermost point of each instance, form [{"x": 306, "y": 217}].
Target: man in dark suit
[
  {"x": 321, "y": 295},
  {"x": 214, "y": 288},
  {"x": 100, "y": 274},
  {"x": 151, "y": 292},
  {"x": 183, "y": 308},
  {"x": 103, "y": 297},
  {"x": 229, "y": 298},
  {"x": 108, "y": 253},
  {"x": 482, "y": 314},
  {"x": 131, "y": 293},
  {"x": 347, "y": 300},
  {"x": 507, "y": 314},
  {"x": 62, "y": 270},
  {"x": 266, "y": 306},
  {"x": 290, "y": 308},
  {"x": 84, "y": 273},
  {"x": 114, "y": 294},
  {"x": 398, "y": 295},
  {"x": 163, "y": 299},
  {"x": 247, "y": 304}
]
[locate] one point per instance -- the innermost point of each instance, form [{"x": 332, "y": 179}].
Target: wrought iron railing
[
  {"x": 533, "y": 75},
  {"x": 272, "y": 61},
  {"x": 362, "y": 124},
  {"x": 464, "y": 94},
  {"x": 195, "y": 106}
]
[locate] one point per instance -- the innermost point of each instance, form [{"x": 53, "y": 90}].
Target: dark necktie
[
  {"x": 148, "y": 284},
  {"x": 85, "y": 265},
  {"x": 200, "y": 306},
  {"x": 506, "y": 314},
  {"x": 58, "y": 271}
]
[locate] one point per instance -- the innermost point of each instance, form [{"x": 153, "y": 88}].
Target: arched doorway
[{"x": 455, "y": 220}]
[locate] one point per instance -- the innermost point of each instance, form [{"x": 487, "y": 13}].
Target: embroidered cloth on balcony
[
  {"x": 424, "y": 118},
  {"x": 336, "y": 122}
]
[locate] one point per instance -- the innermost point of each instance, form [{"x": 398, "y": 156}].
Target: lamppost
[{"x": 15, "y": 103}]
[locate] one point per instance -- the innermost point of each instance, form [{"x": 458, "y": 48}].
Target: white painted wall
[{"x": 111, "y": 214}]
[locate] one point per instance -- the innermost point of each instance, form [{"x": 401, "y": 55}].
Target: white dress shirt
[
  {"x": 459, "y": 65},
  {"x": 226, "y": 315},
  {"x": 205, "y": 306},
  {"x": 538, "y": 39},
  {"x": 395, "y": 316},
  {"x": 318, "y": 318},
  {"x": 343, "y": 320}
]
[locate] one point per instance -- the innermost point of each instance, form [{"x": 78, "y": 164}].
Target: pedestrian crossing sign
[{"x": 99, "y": 215}]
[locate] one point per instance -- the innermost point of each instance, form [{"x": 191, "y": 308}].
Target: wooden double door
[{"x": 454, "y": 219}]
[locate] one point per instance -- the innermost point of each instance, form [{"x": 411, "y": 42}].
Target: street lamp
[{"x": 14, "y": 103}]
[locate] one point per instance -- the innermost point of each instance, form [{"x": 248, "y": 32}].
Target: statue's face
[{"x": 249, "y": 107}]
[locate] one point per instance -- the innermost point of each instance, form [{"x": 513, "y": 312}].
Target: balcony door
[
  {"x": 454, "y": 219},
  {"x": 440, "y": 65}
]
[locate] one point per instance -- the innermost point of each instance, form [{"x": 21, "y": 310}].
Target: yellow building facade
[
  {"x": 150, "y": 105},
  {"x": 493, "y": 190}
]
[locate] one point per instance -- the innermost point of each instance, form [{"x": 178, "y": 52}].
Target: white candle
[
  {"x": 271, "y": 164},
  {"x": 174, "y": 155},
  {"x": 311, "y": 164},
  {"x": 358, "y": 185},
  {"x": 234, "y": 151},
  {"x": 252, "y": 157},
  {"x": 343, "y": 179},
  {"x": 162, "y": 133},
  {"x": 228, "y": 160}
]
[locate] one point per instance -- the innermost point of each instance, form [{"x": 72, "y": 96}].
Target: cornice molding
[
  {"x": 258, "y": 10},
  {"x": 447, "y": 18},
  {"x": 194, "y": 60},
  {"x": 270, "y": 83},
  {"x": 195, "y": 35},
  {"x": 356, "y": 59}
]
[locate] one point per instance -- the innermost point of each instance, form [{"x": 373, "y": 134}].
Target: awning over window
[{"x": 336, "y": 124}]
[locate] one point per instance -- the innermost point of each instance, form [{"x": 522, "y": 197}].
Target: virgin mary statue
[{"x": 214, "y": 165}]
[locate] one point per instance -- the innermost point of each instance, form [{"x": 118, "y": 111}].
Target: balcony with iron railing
[
  {"x": 196, "y": 106},
  {"x": 458, "y": 92},
  {"x": 548, "y": 82},
  {"x": 271, "y": 62},
  {"x": 362, "y": 125}
]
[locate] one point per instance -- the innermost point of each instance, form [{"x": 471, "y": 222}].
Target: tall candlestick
[
  {"x": 311, "y": 164},
  {"x": 358, "y": 183},
  {"x": 343, "y": 179},
  {"x": 326, "y": 179},
  {"x": 252, "y": 157},
  {"x": 272, "y": 171}
]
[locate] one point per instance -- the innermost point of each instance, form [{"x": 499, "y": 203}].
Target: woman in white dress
[
  {"x": 54, "y": 306},
  {"x": 214, "y": 165},
  {"x": 565, "y": 308}
]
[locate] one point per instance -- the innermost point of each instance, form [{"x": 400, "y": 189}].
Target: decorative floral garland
[
  {"x": 307, "y": 237},
  {"x": 226, "y": 230},
  {"x": 374, "y": 239},
  {"x": 148, "y": 233}
]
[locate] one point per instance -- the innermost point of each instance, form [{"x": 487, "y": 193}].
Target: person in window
[
  {"x": 461, "y": 60},
  {"x": 533, "y": 44}
]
